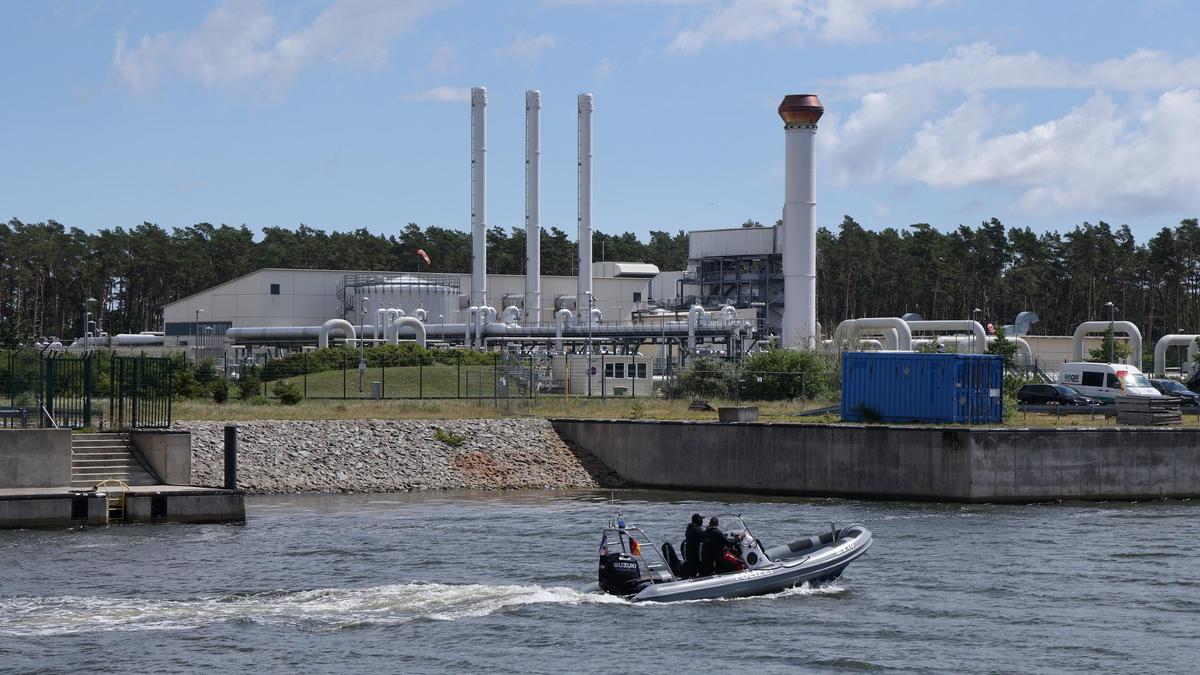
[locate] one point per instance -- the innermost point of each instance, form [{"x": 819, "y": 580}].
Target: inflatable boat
[{"x": 631, "y": 566}]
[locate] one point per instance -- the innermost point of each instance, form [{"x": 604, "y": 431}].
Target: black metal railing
[{"x": 140, "y": 397}]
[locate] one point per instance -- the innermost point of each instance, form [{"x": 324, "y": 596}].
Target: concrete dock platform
[{"x": 54, "y": 478}]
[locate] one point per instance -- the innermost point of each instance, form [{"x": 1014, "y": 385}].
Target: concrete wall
[
  {"x": 897, "y": 462},
  {"x": 169, "y": 454},
  {"x": 214, "y": 507},
  {"x": 35, "y": 458},
  {"x": 52, "y": 511}
]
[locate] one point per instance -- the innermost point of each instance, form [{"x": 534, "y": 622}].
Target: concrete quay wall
[
  {"x": 34, "y": 457},
  {"x": 897, "y": 462}
]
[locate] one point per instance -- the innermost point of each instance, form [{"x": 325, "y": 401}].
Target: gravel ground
[{"x": 283, "y": 456}]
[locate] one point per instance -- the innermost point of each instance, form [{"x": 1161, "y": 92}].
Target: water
[{"x": 492, "y": 583}]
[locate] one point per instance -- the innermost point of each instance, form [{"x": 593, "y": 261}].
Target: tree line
[{"x": 49, "y": 271}]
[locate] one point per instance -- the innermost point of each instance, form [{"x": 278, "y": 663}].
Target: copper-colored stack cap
[{"x": 801, "y": 109}]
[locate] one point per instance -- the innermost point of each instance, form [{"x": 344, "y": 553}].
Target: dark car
[
  {"x": 1178, "y": 390},
  {"x": 1042, "y": 394}
]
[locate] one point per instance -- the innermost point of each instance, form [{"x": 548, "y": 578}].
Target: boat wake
[{"x": 319, "y": 610}]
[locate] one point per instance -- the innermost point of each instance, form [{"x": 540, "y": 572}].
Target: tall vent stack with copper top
[{"x": 800, "y": 113}]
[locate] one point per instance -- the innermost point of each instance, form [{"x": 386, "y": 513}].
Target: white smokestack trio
[
  {"x": 478, "y": 196},
  {"x": 533, "y": 208},
  {"x": 585, "y": 206},
  {"x": 800, "y": 113}
]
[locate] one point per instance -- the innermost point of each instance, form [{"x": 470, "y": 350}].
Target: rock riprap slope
[{"x": 281, "y": 456}]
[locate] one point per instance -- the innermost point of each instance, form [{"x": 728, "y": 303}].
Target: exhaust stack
[
  {"x": 533, "y": 208},
  {"x": 478, "y": 196},
  {"x": 800, "y": 113},
  {"x": 585, "y": 205}
]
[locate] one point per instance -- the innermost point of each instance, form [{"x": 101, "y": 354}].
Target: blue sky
[{"x": 354, "y": 113}]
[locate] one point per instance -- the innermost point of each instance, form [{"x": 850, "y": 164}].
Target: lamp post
[
  {"x": 1111, "y": 307},
  {"x": 441, "y": 327},
  {"x": 196, "y": 326},
  {"x": 974, "y": 313},
  {"x": 591, "y": 303},
  {"x": 87, "y": 322},
  {"x": 362, "y": 344}
]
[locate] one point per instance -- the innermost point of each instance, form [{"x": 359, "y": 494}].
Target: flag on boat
[
  {"x": 604, "y": 545},
  {"x": 424, "y": 256},
  {"x": 634, "y": 547}
]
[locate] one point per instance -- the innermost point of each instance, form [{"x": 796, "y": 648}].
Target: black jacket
[
  {"x": 691, "y": 542},
  {"x": 714, "y": 544}
]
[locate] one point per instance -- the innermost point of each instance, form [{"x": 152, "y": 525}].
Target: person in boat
[
  {"x": 713, "y": 549},
  {"x": 693, "y": 539}
]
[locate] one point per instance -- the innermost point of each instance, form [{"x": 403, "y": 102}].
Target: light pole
[
  {"x": 974, "y": 313},
  {"x": 591, "y": 303},
  {"x": 441, "y": 327},
  {"x": 196, "y": 326},
  {"x": 1111, "y": 307},
  {"x": 362, "y": 344},
  {"x": 87, "y": 322}
]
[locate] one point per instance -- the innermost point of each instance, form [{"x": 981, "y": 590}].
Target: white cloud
[
  {"x": 857, "y": 149},
  {"x": 529, "y": 47},
  {"x": 442, "y": 94},
  {"x": 443, "y": 60},
  {"x": 238, "y": 43},
  {"x": 604, "y": 69},
  {"x": 1100, "y": 156},
  {"x": 981, "y": 67},
  {"x": 840, "y": 21}
]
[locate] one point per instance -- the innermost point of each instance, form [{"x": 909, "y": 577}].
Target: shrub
[
  {"x": 449, "y": 437},
  {"x": 781, "y": 374},
  {"x": 287, "y": 392},
  {"x": 220, "y": 390},
  {"x": 249, "y": 385},
  {"x": 707, "y": 378}
]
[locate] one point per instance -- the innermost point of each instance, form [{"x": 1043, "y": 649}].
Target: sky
[{"x": 342, "y": 114}]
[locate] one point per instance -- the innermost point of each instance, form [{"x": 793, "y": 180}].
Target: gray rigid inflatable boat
[{"x": 631, "y": 566}]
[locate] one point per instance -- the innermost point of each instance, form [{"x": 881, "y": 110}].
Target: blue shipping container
[{"x": 914, "y": 387}]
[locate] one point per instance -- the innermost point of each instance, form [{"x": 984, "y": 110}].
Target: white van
[{"x": 1106, "y": 381}]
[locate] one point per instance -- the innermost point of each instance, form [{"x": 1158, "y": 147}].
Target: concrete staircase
[{"x": 98, "y": 457}]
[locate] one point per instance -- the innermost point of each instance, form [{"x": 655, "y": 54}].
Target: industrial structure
[{"x": 743, "y": 287}]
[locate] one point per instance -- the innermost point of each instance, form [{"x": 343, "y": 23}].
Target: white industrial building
[{"x": 294, "y": 297}]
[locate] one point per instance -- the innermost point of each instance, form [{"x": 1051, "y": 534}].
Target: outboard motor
[{"x": 620, "y": 574}]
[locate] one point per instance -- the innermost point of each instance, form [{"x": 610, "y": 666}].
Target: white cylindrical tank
[
  {"x": 800, "y": 113},
  {"x": 438, "y": 296},
  {"x": 533, "y": 207},
  {"x": 585, "y": 200},
  {"x": 478, "y": 196}
]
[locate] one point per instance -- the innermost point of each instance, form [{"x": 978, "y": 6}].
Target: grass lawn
[{"x": 400, "y": 382}]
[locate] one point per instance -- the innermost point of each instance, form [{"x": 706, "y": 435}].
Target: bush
[
  {"x": 287, "y": 392},
  {"x": 220, "y": 390},
  {"x": 389, "y": 356},
  {"x": 782, "y": 374},
  {"x": 449, "y": 437},
  {"x": 706, "y": 378},
  {"x": 249, "y": 385}
]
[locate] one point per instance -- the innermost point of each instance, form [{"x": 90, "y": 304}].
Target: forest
[{"x": 48, "y": 271}]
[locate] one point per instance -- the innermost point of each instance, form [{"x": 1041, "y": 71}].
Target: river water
[{"x": 462, "y": 582}]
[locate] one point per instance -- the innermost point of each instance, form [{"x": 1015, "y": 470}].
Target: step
[{"x": 99, "y": 444}]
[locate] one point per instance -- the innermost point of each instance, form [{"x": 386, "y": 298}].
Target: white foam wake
[{"x": 319, "y": 610}]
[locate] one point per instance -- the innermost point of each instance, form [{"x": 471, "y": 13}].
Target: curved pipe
[
  {"x": 1160, "y": 350},
  {"x": 902, "y": 337},
  {"x": 561, "y": 317},
  {"x": 695, "y": 314},
  {"x": 512, "y": 314},
  {"x": 411, "y": 322},
  {"x": 1126, "y": 327},
  {"x": 420, "y": 314},
  {"x": 961, "y": 341},
  {"x": 974, "y": 327},
  {"x": 728, "y": 312},
  {"x": 846, "y": 336},
  {"x": 472, "y": 312},
  {"x": 597, "y": 315},
  {"x": 346, "y": 328}
]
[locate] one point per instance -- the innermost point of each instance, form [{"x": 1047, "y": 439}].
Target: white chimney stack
[
  {"x": 533, "y": 208},
  {"x": 478, "y": 196},
  {"x": 585, "y": 205},
  {"x": 800, "y": 113}
]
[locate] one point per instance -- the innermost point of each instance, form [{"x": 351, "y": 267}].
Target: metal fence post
[
  {"x": 304, "y": 365},
  {"x": 343, "y": 376},
  {"x": 87, "y": 390},
  {"x": 458, "y": 376}
]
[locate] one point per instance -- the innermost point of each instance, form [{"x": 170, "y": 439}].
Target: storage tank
[
  {"x": 915, "y": 387},
  {"x": 436, "y": 294}
]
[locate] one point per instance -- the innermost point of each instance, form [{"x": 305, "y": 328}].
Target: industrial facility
[{"x": 743, "y": 288}]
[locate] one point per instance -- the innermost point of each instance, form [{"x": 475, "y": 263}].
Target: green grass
[{"x": 432, "y": 381}]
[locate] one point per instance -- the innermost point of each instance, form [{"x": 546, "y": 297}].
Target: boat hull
[{"x": 818, "y": 565}]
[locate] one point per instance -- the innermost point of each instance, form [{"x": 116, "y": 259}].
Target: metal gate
[
  {"x": 141, "y": 392},
  {"x": 68, "y": 384}
]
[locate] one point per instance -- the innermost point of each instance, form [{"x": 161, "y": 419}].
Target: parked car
[
  {"x": 1178, "y": 390},
  {"x": 1041, "y": 394}
]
